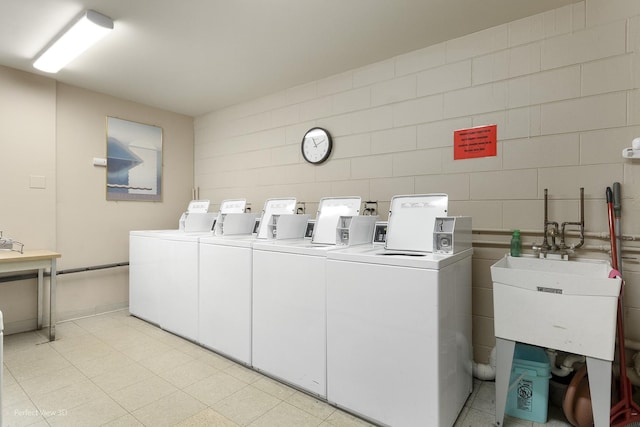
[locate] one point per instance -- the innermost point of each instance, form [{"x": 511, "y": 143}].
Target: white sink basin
[{"x": 565, "y": 305}]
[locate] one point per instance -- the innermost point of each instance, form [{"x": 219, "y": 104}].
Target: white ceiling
[{"x": 196, "y": 56}]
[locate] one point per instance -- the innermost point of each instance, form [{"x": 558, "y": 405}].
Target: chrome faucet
[{"x": 553, "y": 229}]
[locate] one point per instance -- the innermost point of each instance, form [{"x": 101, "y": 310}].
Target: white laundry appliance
[
  {"x": 225, "y": 286},
  {"x": 289, "y": 324},
  {"x": 163, "y": 272},
  {"x": 147, "y": 256},
  {"x": 399, "y": 320}
]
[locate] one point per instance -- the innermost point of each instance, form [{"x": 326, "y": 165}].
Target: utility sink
[{"x": 565, "y": 305}]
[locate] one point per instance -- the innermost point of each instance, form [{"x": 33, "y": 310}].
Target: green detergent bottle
[{"x": 516, "y": 243}]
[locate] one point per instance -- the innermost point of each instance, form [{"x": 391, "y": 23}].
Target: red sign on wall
[{"x": 475, "y": 142}]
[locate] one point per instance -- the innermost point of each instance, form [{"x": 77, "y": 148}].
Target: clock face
[{"x": 316, "y": 145}]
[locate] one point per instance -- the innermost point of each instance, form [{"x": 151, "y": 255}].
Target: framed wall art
[{"x": 134, "y": 161}]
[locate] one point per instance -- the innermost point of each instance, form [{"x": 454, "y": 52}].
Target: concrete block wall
[{"x": 562, "y": 87}]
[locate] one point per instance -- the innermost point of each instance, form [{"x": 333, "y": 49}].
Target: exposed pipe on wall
[
  {"x": 600, "y": 248},
  {"x": 92, "y": 268},
  {"x": 604, "y": 235},
  {"x": 28, "y": 276}
]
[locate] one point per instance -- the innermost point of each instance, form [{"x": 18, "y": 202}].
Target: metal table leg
[
  {"x": 40, "y": 296},
  {"x": 52, "y": 302}
]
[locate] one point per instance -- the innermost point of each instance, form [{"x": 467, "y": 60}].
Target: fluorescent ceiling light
[{"x": 90, "y": 27}]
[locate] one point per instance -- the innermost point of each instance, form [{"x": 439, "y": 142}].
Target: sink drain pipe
[{"x": 486, "y": 372}]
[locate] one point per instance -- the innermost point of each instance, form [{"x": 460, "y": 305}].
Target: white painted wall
[{"x": 562, "y": 87}]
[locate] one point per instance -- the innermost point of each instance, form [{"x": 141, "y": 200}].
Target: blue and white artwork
[{"x": 134, "y": 161}]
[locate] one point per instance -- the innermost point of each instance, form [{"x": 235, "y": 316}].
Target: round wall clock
[{"x": 316, "y": 145}]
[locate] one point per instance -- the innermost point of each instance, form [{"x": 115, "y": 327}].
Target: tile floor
[{"x": 117, "y": 370}]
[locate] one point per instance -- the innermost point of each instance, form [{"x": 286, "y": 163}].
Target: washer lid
[
  {"x": 330, "y": 209},
  {"x": 274, "y": 207},
  {"x": 198, "y": 206},
  {"x": 233, "y": 206},
  {"x": 411, "y": 221}
]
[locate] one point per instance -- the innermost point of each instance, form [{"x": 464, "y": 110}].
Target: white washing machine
[
  {"x": 226, "y": 266},
  {"x": 289, "y": 310},
  {"x": 225, "y": 296},
  {"x": 163, "y": 279},
  {"x": 149, "y": 254},
  {"x": 163, "y": 273},
  {"x": 399, "y": 324}
]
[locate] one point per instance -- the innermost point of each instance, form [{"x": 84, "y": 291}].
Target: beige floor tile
[
  {"x": 169, "y": 410},
  {"x": 477, "y": 418},
  {"x": 207, "y": 418},
  {"x": 119, "y": 314},
  {"x": 216, "y": 360},
  {"x": 485, "y": 399},
  {"x": 28, "y": 354},
  {"x": 215, "y": 388},
  {"x": 68, "y": 397},
  {"x": 309, "y": 404},
  {"x": 342, "y": 419},
  {"x": 474, "y": 392},
  {"x": 125, "y": 421},
  {"x": 154, "y": 332},
  {"x": 129, "y": 320},
  {"x": 163, "y": 362},
  {"x": 243, "y": 374},
  {"x": 13, "y": 394},
  {"x": 94, "y": 413},
  {"x": 113, "y": 361},
  {"x": 69, "y": 329},
  {"x": 171, "y": 340},
  {"x": 38, "y": 368},
  {"x": 52, "y": 381},
  {"x": 143, "y": 349},
  {"x": 274, "y": 388},
  {"x": 122, "y": 336},
  {"x": 286, "y": 415},
  {"x": 460, "y": 420},
  {"x": 123, "y": 377},
  {"x": 184, "y": 375},
  {"x": 143, "y": 393},
  {"x": 8, "y": 378},
  {"x": 97, "y": 324},
  {"x": 21, "y": 414},
  {"x": 16, "y": 343},
  {"x": 246, "y": 405},
  {"x": 144, "y": 326},
  {"x": 556, "y": 418},
  {"x": 89, "y": 352},
  {"x": 517, "y": 422},
  {"x": 73, "y": 343},
  {"x": 192, "y": 349}
]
